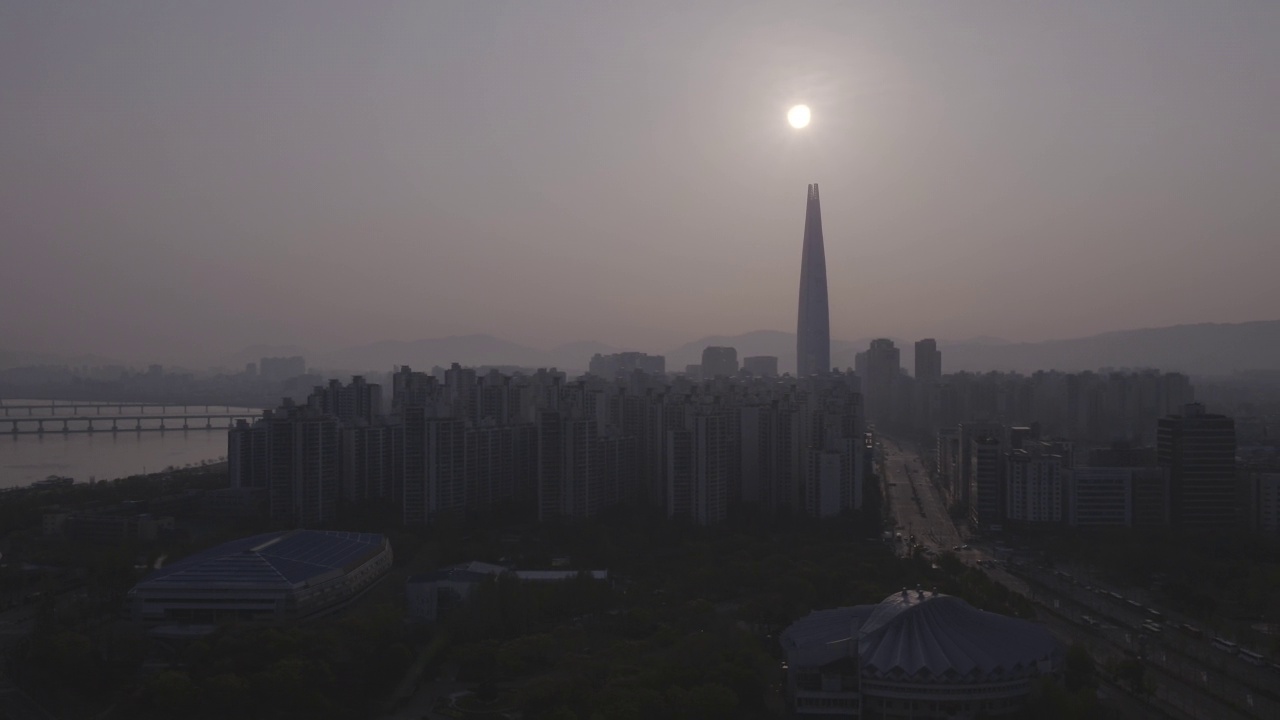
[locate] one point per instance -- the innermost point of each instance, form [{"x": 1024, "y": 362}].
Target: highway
[{"x": 1188, "y": 678}]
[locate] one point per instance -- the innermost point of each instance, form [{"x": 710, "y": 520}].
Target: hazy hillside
[
  {"x": 1204, "y": 349},
  {"x": 17, "y": 358},
  {"x": 423, "y": 354},
  {"x": 254, "y": 353}
]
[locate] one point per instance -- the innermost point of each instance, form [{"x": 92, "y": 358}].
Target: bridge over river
[
  {"x": 61, "y": 424},
  {"x": 60, "y": 407}
]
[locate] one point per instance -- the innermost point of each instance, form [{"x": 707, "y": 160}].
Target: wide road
[
  {"x": 1183, "y": 686},
  {"x": 916, "y": 506}
]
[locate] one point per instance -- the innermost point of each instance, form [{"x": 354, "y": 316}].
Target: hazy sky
[{"x": 183, "y": 178}]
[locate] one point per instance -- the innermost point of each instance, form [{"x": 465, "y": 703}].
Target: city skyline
[{"x": 228, "y": 175}]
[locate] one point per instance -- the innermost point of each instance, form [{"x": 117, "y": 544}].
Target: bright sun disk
[{"x": 798, "y": 116}]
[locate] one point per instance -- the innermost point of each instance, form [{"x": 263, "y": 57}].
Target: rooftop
[
  {"x": 925, "y": 636},
  {"x": 292, "y": 558}
]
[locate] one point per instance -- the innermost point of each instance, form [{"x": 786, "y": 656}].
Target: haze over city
[
  {"x": 436, "y": 360},
  {"x": 181, "y": 180}
]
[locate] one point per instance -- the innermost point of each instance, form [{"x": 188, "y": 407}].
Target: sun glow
[{"x": 798, "y": 116}]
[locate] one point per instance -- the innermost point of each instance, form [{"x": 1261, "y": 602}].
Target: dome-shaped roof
[{"x": 929, "y": 637}]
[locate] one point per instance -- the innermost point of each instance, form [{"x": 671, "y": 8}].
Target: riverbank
[{"x": 15, "y": 502}]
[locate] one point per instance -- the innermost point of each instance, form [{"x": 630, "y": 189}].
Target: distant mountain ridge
[
  {"x": 1199, "y": 349},
  {"x": 18, "y": 358}
]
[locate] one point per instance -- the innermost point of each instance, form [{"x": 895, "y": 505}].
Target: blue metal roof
[
  {"x": 290, "y": 557},
  {"x": 926, "y": 636},
  {"x": 922, "y": 634}
]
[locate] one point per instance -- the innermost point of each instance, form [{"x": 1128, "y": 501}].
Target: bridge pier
[
  {"x": 39, "y": 427},
  {"x": 113, "y": 426},
  {"x": 90, "y": 427},
  {"x": 139, "y": 426}
]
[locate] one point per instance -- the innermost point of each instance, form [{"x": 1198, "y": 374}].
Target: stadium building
[
  {"x": 917, "y": 654},
  {"x": 279, "y": 577}
]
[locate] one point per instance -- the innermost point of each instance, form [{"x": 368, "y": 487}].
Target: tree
[
  {"x": 1079, "y": 669},
  {"x": 172, "y": 693}
]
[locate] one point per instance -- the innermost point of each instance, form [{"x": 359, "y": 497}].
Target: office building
[
  {"x": 986, "y": 482},
  {"x": 1199, "y": 451},
  {"x": 882, "y": 365},
  {"x": 609, "y": 366},
  {"x": 1264, "y": 491},
  {"x": 928, "y": 361},
  {"x": 1034, "y": 486},
  {"x": 719, "y": 362},
  {"x": 765, "y": 366},
  {"x": 1100, "y": 497}
]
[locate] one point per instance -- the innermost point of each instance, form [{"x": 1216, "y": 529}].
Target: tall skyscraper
[{"x": 813, "y": 330}]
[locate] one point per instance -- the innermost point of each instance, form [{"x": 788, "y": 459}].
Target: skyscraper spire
[{"x": 813, "y": 330}]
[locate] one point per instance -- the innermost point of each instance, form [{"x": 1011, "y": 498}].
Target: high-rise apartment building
[
  {"x": 368, "y": 461},
  {"x": 813, "y": 327},
  {"x": 358, "y": 400},
  {"x": 699, "y": 466},
  {"x": 291, "y": 456},
  {"x": 1199, "y": 451}
]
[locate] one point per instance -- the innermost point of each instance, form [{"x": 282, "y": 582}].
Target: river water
[{"x": 104, "y": 455}]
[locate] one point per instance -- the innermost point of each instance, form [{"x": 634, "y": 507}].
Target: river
[{"x": 103, "y": 455}]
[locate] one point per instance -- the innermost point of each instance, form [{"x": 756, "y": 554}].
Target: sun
[{"x": 798, "y": 116}]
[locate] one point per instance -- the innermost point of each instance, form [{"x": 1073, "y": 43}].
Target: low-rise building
[
  {"x": 279, "y": 578},
  {"x": 430, "y": 597},
  {"x": 1100, "y": 497},
  {"x": 917, "y": 654}
]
